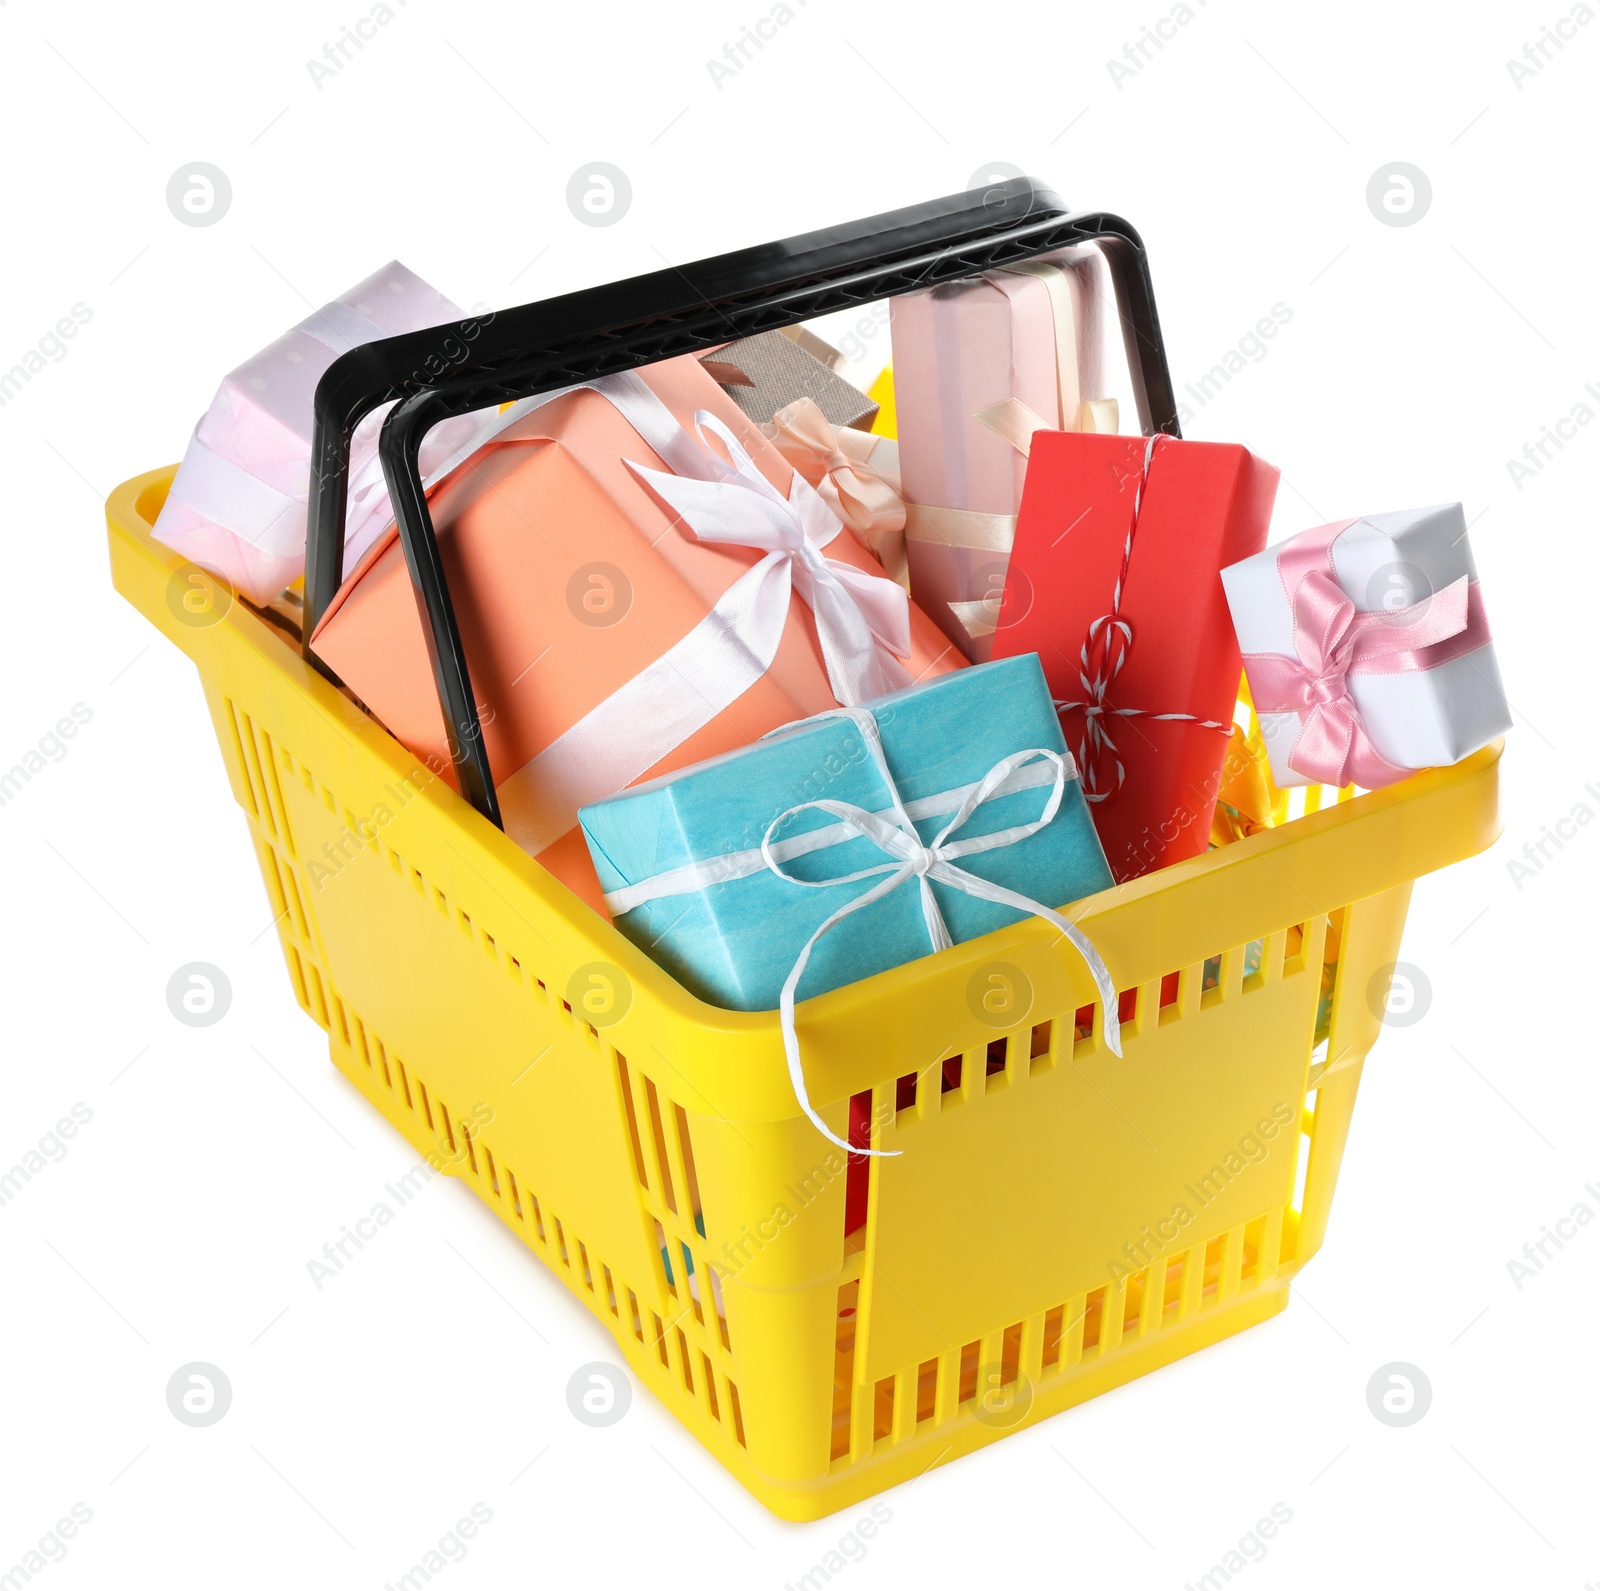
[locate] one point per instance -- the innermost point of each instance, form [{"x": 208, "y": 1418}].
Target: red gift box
[{"x": 1115, "y": 582}]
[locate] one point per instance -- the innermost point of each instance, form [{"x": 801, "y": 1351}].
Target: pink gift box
[
  {"x": 238, "y": 503},
  {"x": 979, "y": 365}
]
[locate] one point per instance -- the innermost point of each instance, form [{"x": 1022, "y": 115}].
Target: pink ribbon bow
[
  {"x": 863, "y": 497},
  {"x": 1333, "y": 640}
]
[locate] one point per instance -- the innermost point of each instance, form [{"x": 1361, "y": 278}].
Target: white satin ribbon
[
  {"x": 339, "y": 327},
  {"x": 448, "y": 445},
  {"x": 928, "y": 864},
  {"x": 648, "y": 718},
  {"x": 863, "y": 620},
  {"x": 225, "y": 492},
  {"x": 932, "y": 863}
]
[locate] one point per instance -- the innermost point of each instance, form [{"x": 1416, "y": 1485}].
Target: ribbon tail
[
  {"x": 933, "y": 918},
  {"x": 1014, "y": 422},
  {"x": 791, "y": 1039},
  {"x": 979, "y": 618},
  {"x": 1322, "y": 750},
  {"x": 895, "y": 834},
  {"x": 1368, "y": 767},
  {"x": 1333, "y": 747},
  {"x": 1080, "y": 941},
  {"x": 882, "y": 603}
]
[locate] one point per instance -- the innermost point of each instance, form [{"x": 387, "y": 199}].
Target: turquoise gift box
[{"x": 680, "y": 858}]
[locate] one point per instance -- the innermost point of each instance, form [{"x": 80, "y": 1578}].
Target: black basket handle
[{"x": 518, "y": 353}]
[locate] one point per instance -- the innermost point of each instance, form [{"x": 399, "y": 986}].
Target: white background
[{"x": 369, "y": 1416}]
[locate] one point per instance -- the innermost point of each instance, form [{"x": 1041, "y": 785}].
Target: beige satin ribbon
[
  {"x": 1099, "y": 415},
  {"x": 840, "y": 463},
  {"x": 960, "y": 527},
  {"x": 978, "y": 618},
  {"x": 1015, "y": 422},
  {"x": 1064, "y": 323},
  {"x": 881, "y": 453},
  {"x": 979, "y": 532},
  {"x": 1092, "y": 414}
]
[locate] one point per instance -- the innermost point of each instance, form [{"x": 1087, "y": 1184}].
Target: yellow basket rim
[{"x": 1361, "y": 836}]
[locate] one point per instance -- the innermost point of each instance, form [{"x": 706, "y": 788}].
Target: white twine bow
[
  {"x": 863, "y": 620},
  {"x": 1102, "y": 657},
  {"x": 932, "y": 863}
]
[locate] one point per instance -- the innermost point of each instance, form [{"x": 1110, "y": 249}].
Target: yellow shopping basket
[{"x": 1060, "y": 1221}]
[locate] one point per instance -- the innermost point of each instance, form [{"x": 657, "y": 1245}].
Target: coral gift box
[{"x": 621, "y": 617}]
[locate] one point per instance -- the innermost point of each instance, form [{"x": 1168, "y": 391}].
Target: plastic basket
[{"x": 1024, "y": 1253}]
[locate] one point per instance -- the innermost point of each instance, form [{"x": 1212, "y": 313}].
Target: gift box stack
[{"x": 794, "y": 701}]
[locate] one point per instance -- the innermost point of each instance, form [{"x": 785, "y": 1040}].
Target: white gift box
[
  {"x": 238, "y": 503},
  {"x": 1426, "y": 715}
]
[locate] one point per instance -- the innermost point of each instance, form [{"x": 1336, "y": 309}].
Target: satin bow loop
[
  {"x": 929, "y": 863},
  {"x": 860, "y": 495},
  {"x": 1334, "y": 640},
  {"x": 863, "y": 620}
]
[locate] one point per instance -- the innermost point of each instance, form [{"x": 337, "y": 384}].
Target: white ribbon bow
[
  {"x": 863, "y": 620},
  {"x": 928, "y": 864}
]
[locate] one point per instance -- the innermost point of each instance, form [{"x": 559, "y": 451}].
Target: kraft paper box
[
  {"x": 1420, "y": 686},
  {"x": 735, "y": 942},
  {"x": 766, "y": 373},
  {"x": 979, "y": 365},
  {"x": 238, "y": 503},
  {"x": 1164, "y": 664},
  {"x": 589, "y": 610}
]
